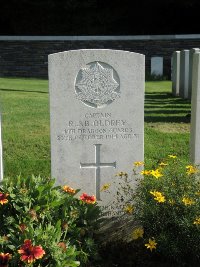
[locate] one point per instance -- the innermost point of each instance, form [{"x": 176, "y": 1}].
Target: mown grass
[
  {"x": 167, "y": 123},
  {"x": 26, "y": 136},
  {"x": 26, "y": 144}
]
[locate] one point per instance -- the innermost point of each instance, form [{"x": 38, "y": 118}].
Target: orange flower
[
  {"x": 69, "y": 190},
  {"x": 30, "y": 253},
  {"x": 65, "y": 225},
  {"x": 88, "y": 199},
  {"x": 4, "y": 258},
  {"x": 33, "y": 214},
  {"x": 63, "y": 246},
  {"x": 22, "y": 227},
  {"x": 3, "y": 198}
]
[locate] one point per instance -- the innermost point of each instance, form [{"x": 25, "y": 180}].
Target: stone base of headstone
[{"x": 115, "y": 230}]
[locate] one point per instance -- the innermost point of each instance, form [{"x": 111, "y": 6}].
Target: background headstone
[
  {"x": 192, "y": 51},
  {"x": 184, "y": 74},
  {"x": 97, "y": 117},
  {"x": 1, "y": 154},
  {"x": 175, "y": 72},
  {"x": 157, "y": 66},
  {"x": 195, "y": 112}
]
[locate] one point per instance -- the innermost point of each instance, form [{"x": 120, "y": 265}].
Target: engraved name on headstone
[{"x": 97, "y": 117}]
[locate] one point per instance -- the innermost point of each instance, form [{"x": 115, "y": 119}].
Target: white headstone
[
  {"x": 157, "y": 66},
  {"x": 175, "y": 72},
  {"x": 192, "y": 51},
  {"x": 97, "y": 117},
  {"x": 184, "y": 74},
  {"x": 1, "y": 154},
  {"x": 195, "y": 112}
]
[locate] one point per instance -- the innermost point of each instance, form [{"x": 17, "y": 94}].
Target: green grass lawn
[
  {"x": 167, "y": 123},
  {"x": 26, "y": 138},
  {"x": 26, "y": 144}
]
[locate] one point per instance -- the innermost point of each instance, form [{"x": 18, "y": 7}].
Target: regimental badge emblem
[{"x": 97, "y": 85}]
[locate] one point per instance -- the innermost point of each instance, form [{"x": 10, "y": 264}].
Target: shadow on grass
[
  {"x": 24, "y": 91},
  {"x": 163, "y": 107}
]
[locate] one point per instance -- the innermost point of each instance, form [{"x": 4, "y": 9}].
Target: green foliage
[
  {"x": 166, "y": 207},
  {"x": 49, "y": 217}
]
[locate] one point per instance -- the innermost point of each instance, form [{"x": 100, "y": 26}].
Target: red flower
[
  {"x": 4, "y": 258},
  {"x": 88, "y": 199},
  {"x": 3, "y": 198},
  {"x": 29, "y": 252}
]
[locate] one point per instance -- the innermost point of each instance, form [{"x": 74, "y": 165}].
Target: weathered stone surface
[
  {"x": 184, "y": 74},
  {"x": 192, "y": 51},
  {"x": 97, "y": 117},
  {"x": 195, "y": 111},
  {"x": 176, "y": 73}
]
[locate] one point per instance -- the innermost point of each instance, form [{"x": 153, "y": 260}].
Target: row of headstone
[
  {"x": 97, "y": 117},
  {"x": 186, "y": 84},
  {"x": 182, "y": 69}
]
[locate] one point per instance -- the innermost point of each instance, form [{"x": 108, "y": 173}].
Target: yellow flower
[
  {"x": 172, "y": 156},
  {"x": 137, "y": 233},
  {"x": 138, "y": 163},
  {"x": 171, "y": 202},
  {"x": 156, "y": 173},
  {"x": 191, "y": 169},
  {"x": 162, "y": 164},
  {"x": 145, "y": 172},
  {"x": 158, "y": 196},
  {"x": 122, "y": 174},
  {"x": 151, "y": 245},
  {"x": 129, "y": 209},
  {"x": 197, "y": 221},
  {"x": 188, "y": 201},
  {"x": 105, "y": 187}
]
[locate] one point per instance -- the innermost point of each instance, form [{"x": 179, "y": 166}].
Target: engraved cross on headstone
[{"x": 97, "y": 165}]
